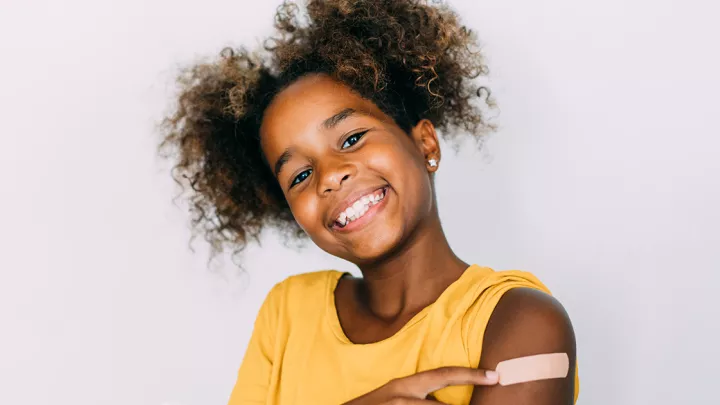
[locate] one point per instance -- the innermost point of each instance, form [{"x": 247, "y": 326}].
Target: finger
[
  {"x": 423, "y": 383},
  {"x": 412, "y": 401}
]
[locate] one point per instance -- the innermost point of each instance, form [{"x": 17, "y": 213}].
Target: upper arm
[
  {"x": 253, "y": 379},
  {"x": 527, "y": 322}
]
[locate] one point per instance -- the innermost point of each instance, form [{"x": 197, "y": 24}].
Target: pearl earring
[{"x": 432, "y": 162}]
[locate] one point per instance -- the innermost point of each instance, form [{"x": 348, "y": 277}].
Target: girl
[{"x": 333, "y": 135}]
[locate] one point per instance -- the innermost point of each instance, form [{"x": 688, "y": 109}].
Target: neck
[{"x": 414, "y": 276}]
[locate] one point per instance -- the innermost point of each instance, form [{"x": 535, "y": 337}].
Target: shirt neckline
[{"x": 334, "y": 320}]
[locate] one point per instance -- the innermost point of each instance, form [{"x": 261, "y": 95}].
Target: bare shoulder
[{"x": 527, "y": 322}]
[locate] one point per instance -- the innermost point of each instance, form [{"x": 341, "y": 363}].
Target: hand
[{"x": 414, "y": 389}]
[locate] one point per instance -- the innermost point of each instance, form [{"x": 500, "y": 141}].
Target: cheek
[
  {"x": 404, "y": 170},
  {"x": 306, "y": 211},
  {"x": 394, "y": 162}
]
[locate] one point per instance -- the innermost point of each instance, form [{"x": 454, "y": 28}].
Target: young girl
[{"x": 333, "y": 135}]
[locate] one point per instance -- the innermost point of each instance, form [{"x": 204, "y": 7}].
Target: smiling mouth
[{"x": 360, "y": 208}]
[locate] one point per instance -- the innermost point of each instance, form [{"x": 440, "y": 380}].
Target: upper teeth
[{"x": 360, "y": 207}]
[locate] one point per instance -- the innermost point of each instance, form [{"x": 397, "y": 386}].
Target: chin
[{"x": 373, "y": 248}]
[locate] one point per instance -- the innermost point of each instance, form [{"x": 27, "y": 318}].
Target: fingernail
[{"x": 491, "y": 375}]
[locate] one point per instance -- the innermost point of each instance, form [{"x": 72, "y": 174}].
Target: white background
[{"x": 603, "y": 180}]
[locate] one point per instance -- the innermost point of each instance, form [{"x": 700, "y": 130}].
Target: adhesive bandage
[{"x": 533, "y": 368}]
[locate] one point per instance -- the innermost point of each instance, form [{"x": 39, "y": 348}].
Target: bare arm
[{"x": 527, "y": 322}]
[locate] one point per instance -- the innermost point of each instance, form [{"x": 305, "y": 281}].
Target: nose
[{"x": 334, "y": 174}]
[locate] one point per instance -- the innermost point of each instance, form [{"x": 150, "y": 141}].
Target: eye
[
  {"x": 300, "y": 177},
  {"x": 352, "y": 139}
]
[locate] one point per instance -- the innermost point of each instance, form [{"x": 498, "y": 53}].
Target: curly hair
[{"x": 414, "y": 60}]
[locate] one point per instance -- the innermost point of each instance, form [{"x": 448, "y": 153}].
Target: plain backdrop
[{"x": 603, "y": 180}]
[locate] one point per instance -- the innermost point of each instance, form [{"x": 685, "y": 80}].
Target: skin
[{"x": 402, "y": 251}]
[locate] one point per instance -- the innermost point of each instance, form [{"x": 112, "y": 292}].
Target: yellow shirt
[{"x": 298, "y": 353}]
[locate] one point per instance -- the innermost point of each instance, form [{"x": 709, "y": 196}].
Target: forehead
[
  {"x": 306, "y": 103},
  {"x": 309, "y": 93}
]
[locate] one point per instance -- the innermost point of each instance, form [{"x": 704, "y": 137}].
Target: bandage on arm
[{"x": 533, "y": 368}]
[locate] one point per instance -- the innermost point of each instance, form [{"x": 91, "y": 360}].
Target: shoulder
[
  {"x": 512, "y": 313},
  {"x": 482, "y": 290},
  {"x": 530, "y": 310},
  {"x": 303, "y": 291},
  {"x": 315, "y": 281},
  {"x": 527, "y": 322}
]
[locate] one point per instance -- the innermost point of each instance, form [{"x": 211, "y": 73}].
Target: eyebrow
[
  {"x": 336, "y": 119},
  {"x": 284, "y": 158},
  {"x": 329, "y": 123}
]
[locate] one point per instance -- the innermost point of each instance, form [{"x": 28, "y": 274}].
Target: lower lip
[{"x": 366, "y": 218}]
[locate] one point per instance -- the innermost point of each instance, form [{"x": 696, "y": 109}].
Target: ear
[{"x": 426, "y": 140}]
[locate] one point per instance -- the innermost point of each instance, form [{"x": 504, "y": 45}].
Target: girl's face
[{"x": 355, "y": 182}]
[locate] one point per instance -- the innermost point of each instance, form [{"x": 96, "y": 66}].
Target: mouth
[{"x": 361, "y": 211}]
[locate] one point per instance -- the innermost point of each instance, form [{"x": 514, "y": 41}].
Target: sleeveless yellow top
[{"x": 298, "y": 353}]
